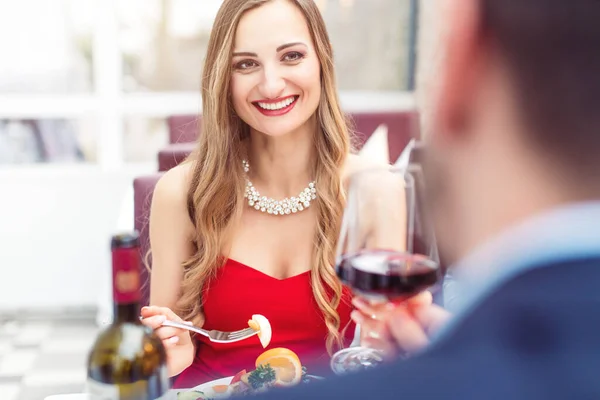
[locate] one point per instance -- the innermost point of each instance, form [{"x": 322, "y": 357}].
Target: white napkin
[
  {"x": 404, "y": 159},
  {"x": 376, "y": 147}
]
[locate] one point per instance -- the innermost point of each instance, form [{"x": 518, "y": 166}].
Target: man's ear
[{"x": 461, "y": 67}]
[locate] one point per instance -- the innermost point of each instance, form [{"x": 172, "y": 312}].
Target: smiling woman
[
  {"x": 223, "y": 252},
  {"x": 276, "y": 70}
]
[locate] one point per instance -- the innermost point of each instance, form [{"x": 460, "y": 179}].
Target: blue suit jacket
[{"x": 535, "y": 337}]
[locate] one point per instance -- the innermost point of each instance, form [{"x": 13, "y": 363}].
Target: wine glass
[{"x": 387, "y": 250}]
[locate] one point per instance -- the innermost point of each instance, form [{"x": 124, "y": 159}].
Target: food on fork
[{"x": 263, "y": 326}]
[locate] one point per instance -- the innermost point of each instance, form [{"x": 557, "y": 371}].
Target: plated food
[{"x": 279, "y": 367}]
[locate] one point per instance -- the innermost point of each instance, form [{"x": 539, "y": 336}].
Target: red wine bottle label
[{"x": 126, "y": 275}]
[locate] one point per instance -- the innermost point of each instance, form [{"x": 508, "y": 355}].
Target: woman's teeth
[{"x": 278, "y": 105}]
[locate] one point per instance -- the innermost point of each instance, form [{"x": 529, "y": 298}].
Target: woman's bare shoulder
[
  {"x": 171, "y": 193},
  {"x": 175, "y": 183}
]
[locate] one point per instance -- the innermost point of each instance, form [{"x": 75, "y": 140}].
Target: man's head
[{"x": 513, "y": 121}]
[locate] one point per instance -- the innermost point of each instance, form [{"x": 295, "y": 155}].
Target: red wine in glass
[
  {"x": 388, "y": 274},
  {"x": 386, "y": 250}
]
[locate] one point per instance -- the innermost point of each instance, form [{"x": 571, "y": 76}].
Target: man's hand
[{"x": 398, "y": 329}]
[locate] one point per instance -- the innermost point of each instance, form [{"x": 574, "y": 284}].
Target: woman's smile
[{"x": 276, "y": 107}]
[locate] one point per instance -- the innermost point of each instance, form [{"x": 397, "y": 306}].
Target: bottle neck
[
  {"x": 127, "y": 312},
  {"x": 126, "y": 283}
]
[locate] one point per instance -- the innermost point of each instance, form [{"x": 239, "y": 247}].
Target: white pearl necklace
[{"x": 286, "y": 206}]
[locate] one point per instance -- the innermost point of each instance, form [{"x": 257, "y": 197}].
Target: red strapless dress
[{"x": 240, "y": 291}]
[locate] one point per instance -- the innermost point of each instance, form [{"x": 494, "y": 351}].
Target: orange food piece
[
  {"x": 287, "y": 365},
  {"x": 245, "y": 378},
  {"x": 220, "y": 388}
]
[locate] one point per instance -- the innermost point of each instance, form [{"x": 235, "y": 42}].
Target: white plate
[{"x": 205, "y": 388}]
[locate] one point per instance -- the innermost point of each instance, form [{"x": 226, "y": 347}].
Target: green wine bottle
[{"x": 127, "y": 361}]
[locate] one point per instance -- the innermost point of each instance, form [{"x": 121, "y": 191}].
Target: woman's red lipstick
[{"x": 279, "y": 111}]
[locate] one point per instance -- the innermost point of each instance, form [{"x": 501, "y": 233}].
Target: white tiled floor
[
  {"x": 68, "y": 345},
  {"x": 32, "y": 334},
  {"x": 9, "y": 391},
  {"x": 75, "y": 376},
  {"x": 18, "y": 362},
  {"x": 5, "y": 346},
  {"x": 41, "y": 358}
]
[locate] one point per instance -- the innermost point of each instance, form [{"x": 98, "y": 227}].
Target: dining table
[
  {"x": 171, "y": 395},
  {"x": 73, "y": 396}
]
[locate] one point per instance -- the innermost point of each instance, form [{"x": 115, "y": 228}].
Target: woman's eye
[
  {"x": 246, "y": 64},
  {"x": 293, "y": 56}
]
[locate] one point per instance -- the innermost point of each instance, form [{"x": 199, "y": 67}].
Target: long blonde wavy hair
[{"x": 215, "y": 197}]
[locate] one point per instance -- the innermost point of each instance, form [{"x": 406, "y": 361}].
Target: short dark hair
[{"x": 552, "y": 49}]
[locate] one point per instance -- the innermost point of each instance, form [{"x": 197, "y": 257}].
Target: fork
[{"x": 214, "y": 335}]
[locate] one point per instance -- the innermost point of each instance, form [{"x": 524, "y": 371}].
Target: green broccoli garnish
[{"x": 261, "y": 376}]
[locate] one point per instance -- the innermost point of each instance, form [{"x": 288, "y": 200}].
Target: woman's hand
[
  {"x": 398, "y": 329},
  {"x": 177, "y": 342}
]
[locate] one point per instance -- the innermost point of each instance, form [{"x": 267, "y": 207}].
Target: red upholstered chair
[
  {"x": 184, "y": 128},
  {"x": 173, "y": 155},
  {"x": 143, "y": 188},
  {"x": 183, "y": 132},
  {"x": 402, "y": 126}
]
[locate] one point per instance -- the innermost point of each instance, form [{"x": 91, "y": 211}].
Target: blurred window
[
  {"x": 94, "y": 80},
  {"x": 163, "y": 42},
  {"x": 45, "y": 46}
]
